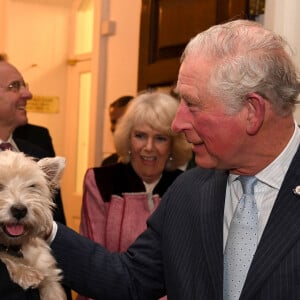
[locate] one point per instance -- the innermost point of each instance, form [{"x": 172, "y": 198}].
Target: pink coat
[
  {"x": 115, "y": 224},
  {"x": 115, "y": 205}
]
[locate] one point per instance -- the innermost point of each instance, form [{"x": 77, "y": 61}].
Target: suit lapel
[
  {"x": 281, "y": 232},
  {"x": 212, "y": 210}
]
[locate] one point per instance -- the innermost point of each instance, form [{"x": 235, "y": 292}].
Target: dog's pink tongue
[{"x": 15, "y": 229}]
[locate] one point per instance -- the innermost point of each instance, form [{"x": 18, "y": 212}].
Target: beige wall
[
  {"x": 122, "y": 58},
  {"x": 35, "y": 41}
]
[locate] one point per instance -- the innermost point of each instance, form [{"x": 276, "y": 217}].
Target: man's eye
[
  {"x": 190, "y": 104},
  {"x": 15, "y": 86}
]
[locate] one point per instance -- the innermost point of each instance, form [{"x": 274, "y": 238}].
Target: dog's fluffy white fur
[{"x": 26, "y": 190}]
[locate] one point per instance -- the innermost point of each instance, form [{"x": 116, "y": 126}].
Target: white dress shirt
[{"x": 266, "y": 189}]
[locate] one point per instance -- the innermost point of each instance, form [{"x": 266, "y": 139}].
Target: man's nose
[
  {"x": 25, "y": 93},
  {"x": 177, "y": 124}
]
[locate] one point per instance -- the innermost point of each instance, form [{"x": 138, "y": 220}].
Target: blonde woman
[{"x": 119, "y": 198}]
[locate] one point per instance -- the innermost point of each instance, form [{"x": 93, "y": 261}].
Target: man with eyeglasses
[
  {"x": 12, "y": 85},
  {"x": 14, "y": 94}
]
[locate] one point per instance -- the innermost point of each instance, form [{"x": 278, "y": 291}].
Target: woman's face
[{"x": 150, "y": 151}]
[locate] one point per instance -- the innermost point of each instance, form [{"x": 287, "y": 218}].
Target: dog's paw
[{"x": 26, "y": 277}]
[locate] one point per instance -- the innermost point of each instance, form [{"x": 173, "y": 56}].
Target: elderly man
[{"x": 230, "y": 229}]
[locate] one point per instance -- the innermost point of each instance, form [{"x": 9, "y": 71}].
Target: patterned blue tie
[{"x": 241, "y": 242}]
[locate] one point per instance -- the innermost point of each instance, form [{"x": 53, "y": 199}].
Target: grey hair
[
  {"x": 157, "y": 110},
  {"x": 248, "y": 58}
]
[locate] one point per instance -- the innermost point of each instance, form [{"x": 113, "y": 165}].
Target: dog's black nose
[{"x": 18, "y": 211}]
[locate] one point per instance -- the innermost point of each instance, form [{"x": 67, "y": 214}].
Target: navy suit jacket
[{"x": 181, "y": 252}]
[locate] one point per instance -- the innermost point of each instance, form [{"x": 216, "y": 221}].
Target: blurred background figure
[
  {"x": 116, "y": 111},
  {"x": 119, "y": 198}
]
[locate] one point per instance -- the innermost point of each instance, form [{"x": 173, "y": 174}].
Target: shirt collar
[{"x": 279, "y": 165}]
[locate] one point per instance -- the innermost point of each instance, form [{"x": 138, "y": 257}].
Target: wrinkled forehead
[{"x": 195, "y": 72}]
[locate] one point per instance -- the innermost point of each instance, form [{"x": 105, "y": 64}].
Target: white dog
[{"x": 26, "y": 190}]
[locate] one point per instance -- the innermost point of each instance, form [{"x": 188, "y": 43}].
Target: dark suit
[
  {"x": 9, "y": 290},
  {"x": 37, "y": 135},
  {"x": 183, "y": 248}
]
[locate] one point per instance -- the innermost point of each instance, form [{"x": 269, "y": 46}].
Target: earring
[
  {"x": 129, "y": 153},
  {"x": 170, "y": 157}
]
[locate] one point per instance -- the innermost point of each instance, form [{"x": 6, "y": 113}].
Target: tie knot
[
  {"x": 5, "y": 146},
  {"x": 248, "y": 183}
]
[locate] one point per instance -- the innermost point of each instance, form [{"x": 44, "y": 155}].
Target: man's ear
[{"x": 256, "y": 106}]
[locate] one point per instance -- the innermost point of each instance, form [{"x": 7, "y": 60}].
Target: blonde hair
[{"x": 157, "y": 110}]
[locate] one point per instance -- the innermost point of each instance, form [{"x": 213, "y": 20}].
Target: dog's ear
[{"x": 53, "y": 168}]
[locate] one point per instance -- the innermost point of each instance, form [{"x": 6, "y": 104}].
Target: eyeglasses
[{"x": 15, "y": 86}]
